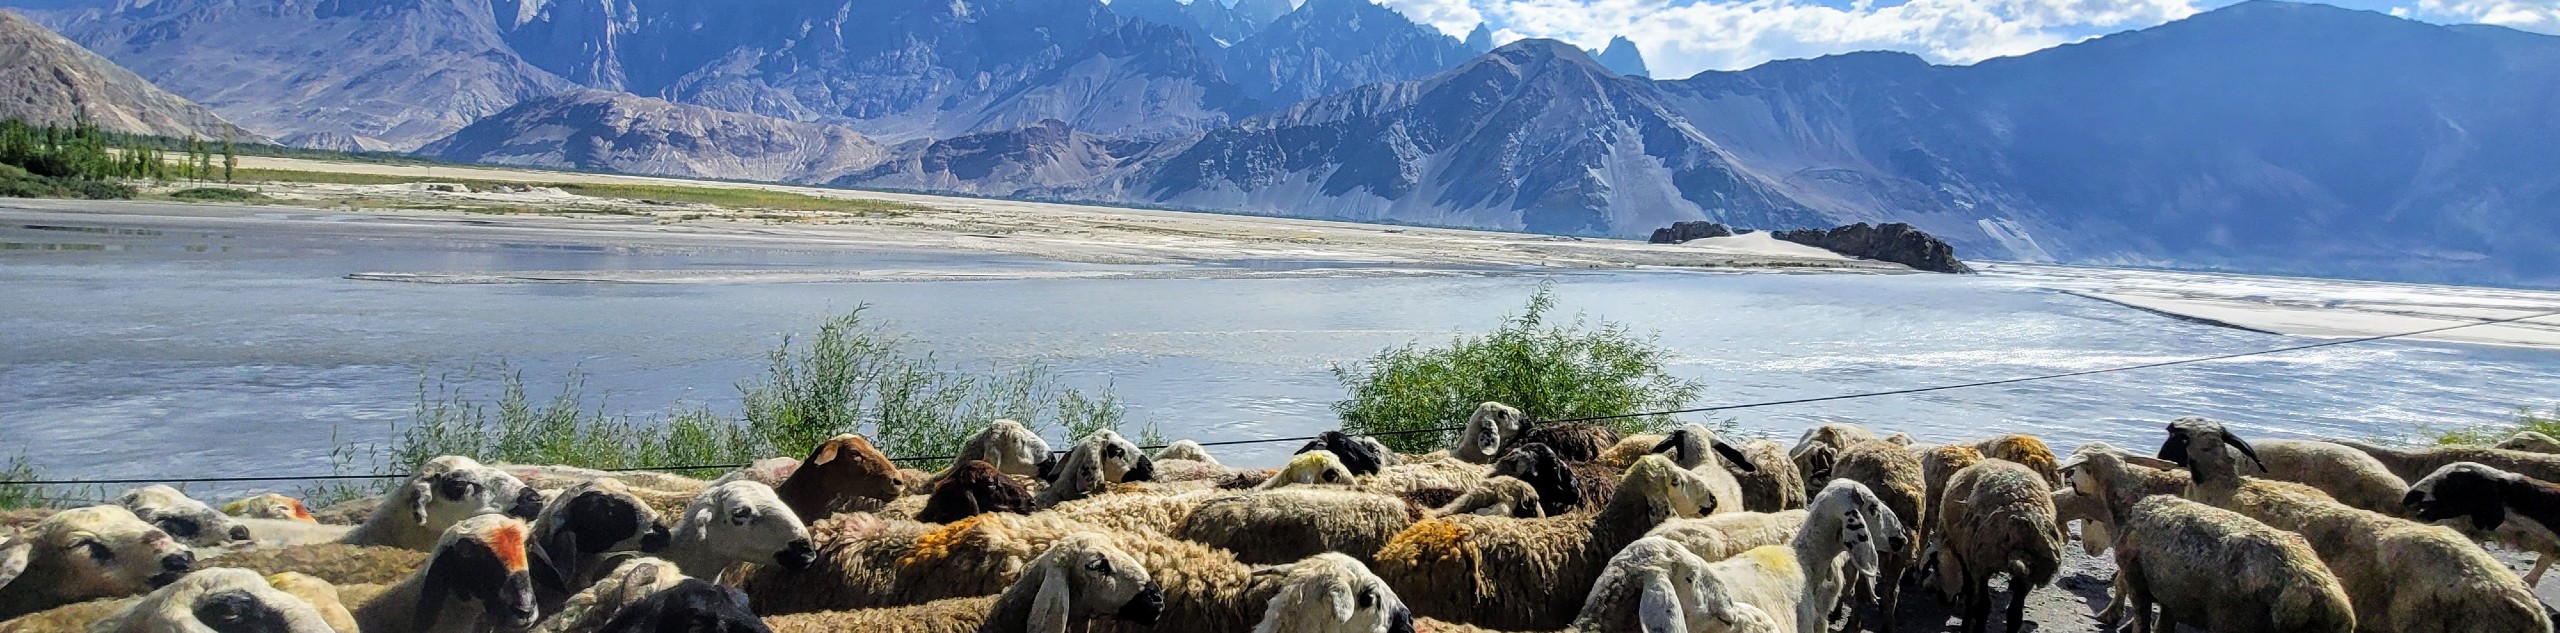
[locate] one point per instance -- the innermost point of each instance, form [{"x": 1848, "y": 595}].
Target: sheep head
[
  {"x": 2202, "y": 446},
  {"x": 1122, "y": 461},
  {"x": 1084, "y": 576},
  {"x": 2531, "y": 442},
  {"x": 1310, "y": 468},
  {"x": 270, "y": 506},
  {"x": 1008, "y": 445},
  {"x": 1331, "y": 592},
  {"x": 739, "y": 522},
  {"x": 1558, "y": 489},
  {"x": 83, "y": 554},
  {"x": 1669, "y": 491},
  {"x": 592, "y": 518},
  {"x": 842, "y": 472},
  {"x": 1187, "y": 450},
  {"x": 1858, "y": 522},
  {"x": 1363, "y": 458},
  {"x": 1673, "y": 588},
  {"x": 219, "y": 600},
  {"x": 487, "y": 559},
  {"x": 1690, "y": 444},
  {"x": 691, "y": 605},
  {"x": 1481, "y": 441},
  {"x": 184, "y": 518},
  {"x": 2462, "y": 489},
  {"x": 970, "y": 488},
  {"x": 451, "y": 488}
]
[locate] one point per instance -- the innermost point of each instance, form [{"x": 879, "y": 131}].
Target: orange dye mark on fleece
[{"x": 508, "y": 541}]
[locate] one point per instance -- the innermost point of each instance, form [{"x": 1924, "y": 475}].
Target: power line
[{"x": 1718, "y": 408}]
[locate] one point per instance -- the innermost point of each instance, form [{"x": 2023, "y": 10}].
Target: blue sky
[{"x": 1682, "y": 37}]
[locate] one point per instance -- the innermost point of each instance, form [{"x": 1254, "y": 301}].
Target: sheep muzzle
[{"x": 1145, "y": 608}]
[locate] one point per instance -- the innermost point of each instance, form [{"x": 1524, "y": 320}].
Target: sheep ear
[
  {"x": 1735, "y": 457},
  {"x": 2243, "y": 445},
  {"x": 1660, "y": 609},
  {"x": 1051, "y": 607},
  {"x": 826, "y": 453},
  {"x": 435, "y": 588},
  {"x": 558, "y": 574},
  {"x": 420, "y": 492},
  {"x": 1669, "y": 442},
  {"x": 14, "y": 554},
  {"x": 1862, "y": 548},
  {"x": 1344, "y": 606}
]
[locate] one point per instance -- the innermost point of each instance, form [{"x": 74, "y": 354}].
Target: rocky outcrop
[
  {"x": 1684, "y": 231},
  {"x": 1329, "y": 46},
  {"x": 594, "y": 130},
  {"x": 1897, "y": 243},
  {"x": 1622, "y": 56},
  {"x": 52, "y": 81},
  {"x": 1031, "y": 161}
]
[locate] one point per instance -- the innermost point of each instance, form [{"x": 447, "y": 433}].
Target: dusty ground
[{"x": 1072, "y": 233}]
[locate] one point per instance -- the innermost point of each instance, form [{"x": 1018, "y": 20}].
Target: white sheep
[
  {"x": 1310, "y": 468},
  {"x": 184, "y": 518},
  {"x": 443, "y": 492},
  {"x": 1492, "y": 424},
  {"x": 1007, "y": 445},
  {"x": 1697, "y": 448},
  {"x": 1331, "y": 593},
  {"x": 1723, "y": 536},
  {"x": 2400, "y": 576},
  {"x": 1288, "y": 524},
  {"x": 1079, "y": 578},
  {"x": 1496, "y": 496},
  {"x": 2346, "y": 474},
  {"x": 218, "y": 600},
  {"x": 86, "y": 554},
  {"x": 738, "y": 522},
  {"x": 1844, "y": 520}
]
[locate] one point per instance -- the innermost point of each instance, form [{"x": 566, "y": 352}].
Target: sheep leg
[
  {"x": 2018, "y": 591},
  {"x": 1888, "y": 605},
  {"x": 1977, "y": 605},
  {"x": 2540, "y": 563}
]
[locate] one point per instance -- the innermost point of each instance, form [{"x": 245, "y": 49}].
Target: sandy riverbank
[
  {"x": 2317, "y": 308},
  {"x": 1062, "y": 232}
]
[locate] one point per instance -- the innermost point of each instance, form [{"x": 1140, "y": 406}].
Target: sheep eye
[
  {"x": 1100, "y": 565},
  {"x": 181, "y": 528},
  {"x": 1368, "y": 599},
  {"x": 742, "y": 515},
  {"x": 96, "y": 550},
  {"x": 1329, "y": 476}
]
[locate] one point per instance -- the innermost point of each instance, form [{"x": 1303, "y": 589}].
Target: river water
[{"x": 128, "y": 352}]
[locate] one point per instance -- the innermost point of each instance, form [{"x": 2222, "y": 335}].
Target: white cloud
[
  {"x": 1681, "y": 37},
  {"x": 2539, "y": 16}
]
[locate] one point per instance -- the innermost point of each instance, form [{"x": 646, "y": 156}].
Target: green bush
[
  {"x": 2491, "y": 434},
  {"x": 1549, "y": 370},
  {"x": 14, "y": 491},
  {"x": 851, "y": 377},
  {"x": 216, "y": 194}
]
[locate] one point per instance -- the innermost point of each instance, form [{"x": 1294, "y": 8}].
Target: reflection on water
[{"x": 196, "y": 353}]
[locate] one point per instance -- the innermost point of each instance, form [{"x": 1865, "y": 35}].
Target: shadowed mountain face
[
  {"x": 595, "y": 130},
  {"x": 1622, "y": 56},
  {"x": 347, "y": 74},
  {"x": 52, "y": 81},
  {"x": 1328, "y": 46}
]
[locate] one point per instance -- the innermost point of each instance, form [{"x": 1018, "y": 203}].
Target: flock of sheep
[{"x": 1518, "y": 527}]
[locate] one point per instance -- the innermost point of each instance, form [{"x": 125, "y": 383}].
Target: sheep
[
  {"x": 1080, "y": 578},
  {"x": 443, "y": 492},
  {"x": 1187, "y": 450},
  {"x": 479, "y": 574},
  {"x": 865, "y": 562},
  {"x": 1997, "y": 518},
  {"x": 1278, "y": 526},
  {"x": 1561, "y": 488},
  {"x": 1313, "y": 467},
  {"x": 1363, "y": 455},
  {"x": 1696, "y": 448},
  {"x": 190, "y": 521},
  {"x": 1892, "y": 473},
  {"x": 972, "y": 487},
  {"x": 269, "y": 506},
  {"x": 1079, "y": 475},
  {"x": 337, "y": 563},
  {"x": 1429, "y": 482},
  {"x": 583, "y": 524},
  {"x": 1492, "y": 424},
  {"x": 209, "y": 600},
  {"x": 2517, "y": 508},
  {"x": 85, "y": 554},
  {"x": 2530, "y": 442},
  {"x": 2400, "y": 576},
  {"x": 738, "y": 522},
  {"x": 691, "y": 605},
  {"x": 2024, "y": 450},
  {"x": 1772, "y": 484},
  {"x": 1119, "y": 459},
  {"x": 1796, "y": 585},
  {"x": 1625, "y": 452},
  {"x": 2102, "y": 485},
  {"x": 2346, "y": 474},
  {"x": 1530, "y": 573},
  {"x": 842, "y": 474},
  {"x": 1819, "y": 448},
  {"x": 557, "y": 477},
  {"x": 1007, "y": 445},
  {"x": 1938, "y": 466},
  {"x": 321, "y": 595},
  {"x": 2217, "y": 570},
  {"x": 1496, "y": 496},
  {"x": 770, "y": 471},
  {"x": 1724, "y": 536},
  {"x": 2412, "y": 465},
  {"x": 1332, "y": 593},
  {"x": 1579, "y": 442}
]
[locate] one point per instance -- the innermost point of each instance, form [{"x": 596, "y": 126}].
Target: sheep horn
[{"x": 2243, "y": 445}]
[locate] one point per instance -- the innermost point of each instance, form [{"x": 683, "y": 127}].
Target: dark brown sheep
[
  {"x": 843, "y": 473},
  {"x": 972, "y": 488}
]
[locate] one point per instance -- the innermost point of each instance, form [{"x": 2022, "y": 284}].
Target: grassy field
[{"x": 716, "y": 196}]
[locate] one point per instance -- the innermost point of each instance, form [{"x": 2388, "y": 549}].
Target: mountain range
[
  {"x": 55, "y": 82},
  {"x": 2265, "y": 136}
]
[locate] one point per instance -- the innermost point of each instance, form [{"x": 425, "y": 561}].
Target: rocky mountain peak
[{"x": 1622, "y": 56}]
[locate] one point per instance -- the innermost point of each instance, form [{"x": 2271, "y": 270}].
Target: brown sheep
[
  {"x": 1893, "y": 473},
  {"x": 1997, "y": 519},
  {"x": 1773, "y": 485},
  {"x": 2024, "y": 450},
  {"x": 1938, "y": 466},
  {"x": 841, "y": 474},
  {"x": 971, "y": 488}
]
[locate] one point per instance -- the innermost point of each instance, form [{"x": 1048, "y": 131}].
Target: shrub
[
  {"x": 2490, "y": 434},
  {"x": 15, "y": 492},
  {"x": 851, "y": 377},
  {"x": 1549, "y": 370},
  {"x": 215, "y": 194}
]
